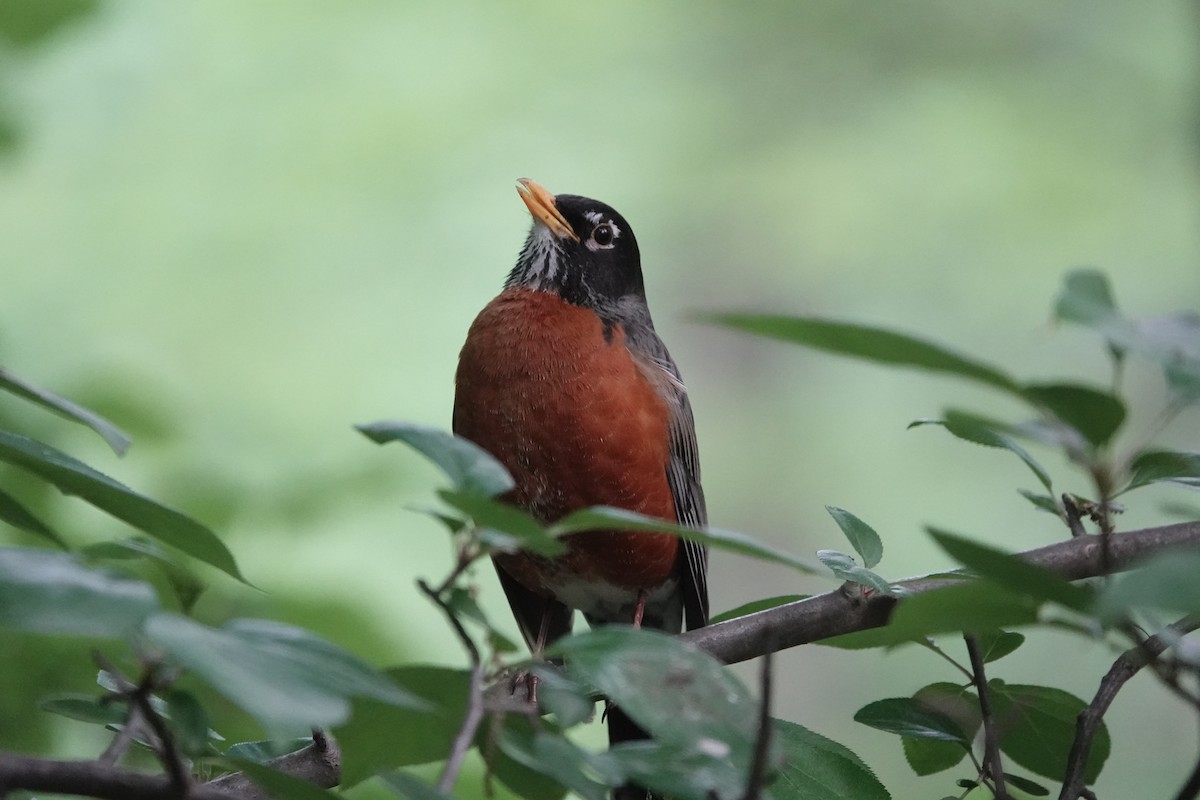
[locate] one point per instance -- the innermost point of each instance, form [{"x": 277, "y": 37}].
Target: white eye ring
[{"x": 604, "y": 236}]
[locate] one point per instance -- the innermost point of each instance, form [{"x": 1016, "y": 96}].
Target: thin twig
[
  {"x": 762, "y": 742},
  {"x": 1088, "y": 723},
  {"x": 168, "y": 753},
  {"x": 991, "y": 744},
  {"x": 125, "y": 736},
  {"x": 470, "y": 724},
  {"x": 931, "y": 645},
  {"x": 1074, "y": 515}
]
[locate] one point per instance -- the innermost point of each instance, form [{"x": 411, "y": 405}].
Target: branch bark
[{"x": 835, "y": 613}]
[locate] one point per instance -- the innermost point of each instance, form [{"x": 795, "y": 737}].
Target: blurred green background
[{"x": 240, "y": 228}]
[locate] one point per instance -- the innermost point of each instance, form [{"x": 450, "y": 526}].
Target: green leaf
[
  {"x": 844, "y": 567},
  {"x": 1025, "y": 785},
  {"x": 470, "y": 468},
  {"x": 188, "y": 720},
  {"x": 569, "y": 702},
  {"x": 755, "y": 606},
  {"x": 18, "y": 516},
  {"x": 381, "y": 736},
  {"x": 562, "y": 760},
  {"x": 117, "y": 439},
  {"x": 499, "y": 516},
  {"x": 972, "y": 606},
  {"x": 267, "y": 749},
  {"x": 1040, "y": 727},
  {"x": 51, "y": 592},
  {"x": 971, "y": 428},
  {"x": 1163, "y": 581},
  {"x": 1154, "y": 466},
  {"x": 186, "y": 585},
  {"x": 1086, "y": 298},
  {"x": 285, "y": 677},
  {"x": 874, "y": 344},
  {"x": 1042, "y": 502},
  {"x": 930, "y": 756},
  {"x": 908, "y": 717},
  {"x": 84, "y": 708},
  {"x": 74, "y": 477},
  {"x": 608, "y": 518},
  {"x": 995, "y": 645},
  {"x": 1095, "y": 414},
  {"x": 863, "y": 538},
  {"x": 1018, "y": 575},
  {"x": 527, "y": 766},
  {"x": 279, "y": 785},
  {"x": 412, "y": 787},
  {"x": 817, "y": 768}
]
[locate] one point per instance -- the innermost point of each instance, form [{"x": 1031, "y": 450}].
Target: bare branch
[
  {"x": 832, "y": 613},
  {"x": 991, "y": 744},
  {"x": 762, "y": 743}
]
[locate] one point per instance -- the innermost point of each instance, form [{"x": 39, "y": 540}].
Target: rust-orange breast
[{"x": 578, "y": 423}]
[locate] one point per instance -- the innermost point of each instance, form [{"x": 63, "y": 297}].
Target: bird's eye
[{"x": 603, "y": 235}]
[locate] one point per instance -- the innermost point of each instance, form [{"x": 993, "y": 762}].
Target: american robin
[{"x": 564, "y": 380}]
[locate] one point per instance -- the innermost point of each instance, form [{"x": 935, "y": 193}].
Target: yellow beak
[{"x": 541, "y": 205}]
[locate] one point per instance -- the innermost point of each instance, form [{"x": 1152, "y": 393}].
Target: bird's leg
[
  {"x": 539, "y": 646},
  {"x": 639, "y": 610}
]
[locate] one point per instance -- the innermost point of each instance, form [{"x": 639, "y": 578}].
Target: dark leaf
[
  {"x": 496, "y": 515},
  {"x": 469, "y": 467},
  {"x": 588, "y": 775},
  {"x": 1007, "y": 570},
  {"x": 412, "y": 787},
  {"x": 971, "y": 428},
  {"x": 816, "y": 768},
  {"x": 995, "y": 645},
  {"x": 117, "y": 439},
  {"x": 74, "y": 477},
  {"x": 970, "y": 606},
  {"x": 1025, "y": 785},
  {"x": 1039, "y": 727},
  {"x": 1153, "y": 466},
  {"x": 1095, "y": 414},
  {"x": 279, "y": 785},
  {"x": 608, "y": 518},
  {"x": 18, "y": 516},
  {"x": 863, "y": 538},
  {"x": 84, "y": 708},
  {"x": 51, "y": 592},
  {"x": 756, "y": 606},
  {"x": 285, "y": 677},
  {"x": 930, "y": 756},
  {"x": 680, "y": 771},
  {"x": 527, "y": 764},
  {"x": 927, "y": 756},
  {"x": 908, "y": 717},
  {"x": 381, "y": 736},
  {"x": 874, "y": 344},
  {"x": 188, "y": 721},
  {"x": 844, "y": 567}
]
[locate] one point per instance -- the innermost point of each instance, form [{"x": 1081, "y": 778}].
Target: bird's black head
[{"x": 580, "y": 249}]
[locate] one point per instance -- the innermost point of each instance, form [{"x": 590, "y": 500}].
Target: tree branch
[
  {"x": 992, "y": 766},
  {"x": 833, "y": 613}
]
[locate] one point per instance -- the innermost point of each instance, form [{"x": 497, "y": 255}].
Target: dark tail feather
[{"x": 622, "y": 729}]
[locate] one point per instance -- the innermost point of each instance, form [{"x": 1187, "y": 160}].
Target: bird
[{"x": 564, "y": 380}]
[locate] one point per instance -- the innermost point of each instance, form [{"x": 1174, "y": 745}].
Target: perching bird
[{"x": 564, "y": 380}]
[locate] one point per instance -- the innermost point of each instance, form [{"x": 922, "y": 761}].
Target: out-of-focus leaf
[
  {"x": 995, "y": 645},
  {"x": 1040, "y": 727},
  {"x": 1163, "y": 581},
  {"x": 491, "y": 513},
  {"x": 412, "y": 787},
  {"x": 874, "y": 344},
  {"x": 279, "y": 785},
  {"x": 464, "y": 606},
  {"x": 907, "y": 717},
  {"x": 187, "y": 586},
  {"x": 27, "y": 22},
  {"x": 1095, "y": 414},
  {"x": 1183, "y": 381},
  {"x": 117, "y": 439},
  {"x": 1010, "y": 571},
  {"x": 817, "y": 768},
  {"x": 18, "y": 516},
  {"x": 971, "y": 428},
  {"x": 970, "y": 606},
  {"x": 51, "y": 592},
  {"x": 1042, "y": 502},
  {"x": 608, "y": 518},
  {"x": 285, "y": 677},
  {"x": 160, "y": 521},
  {"x": 188, "y": 720},
  {"x": 755, "y": 606},
  {"x": 570, "y": 703},
  {"x": 84, "y": 708},
  {"x": 561, "y": 760},
  {"x": 1154, "y": 466},
  {"x": 381, "y": 736},
  {"x": 470, "y": 468},
  {"x": 863, "y": 538},
  {"x": 1025, "y": 785},
  {"x": 267, "y": 749},
  {"x": 1086, "y": 298},
  {"x": 844, "y": 567},
  {"x": 529, "y": 770}
]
